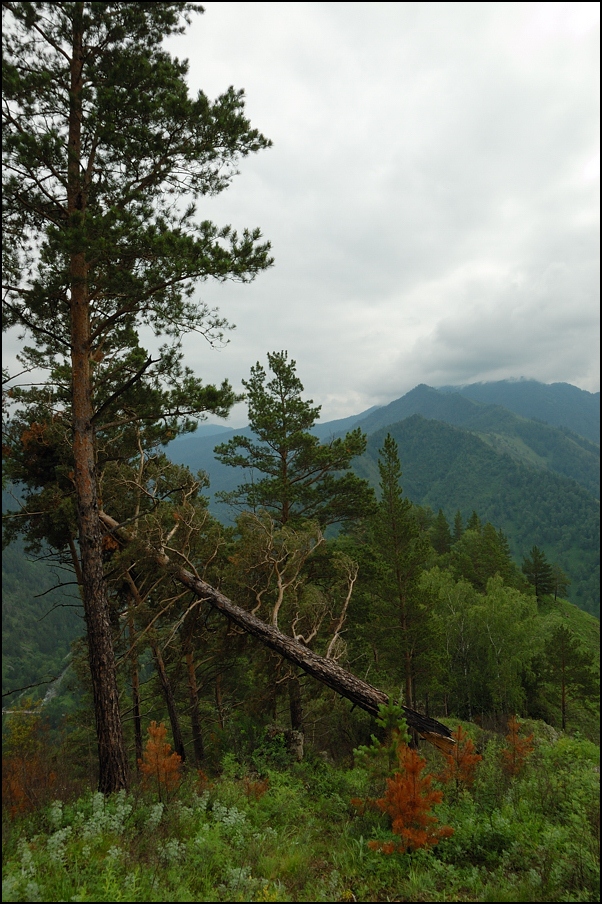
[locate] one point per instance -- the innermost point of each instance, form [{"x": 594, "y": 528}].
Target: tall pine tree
[
  {"x": 298, "y": 477},
  {"x": 538, "y": 572},
  {"x": 105, "y": 153},
  {"x": 402, "y": 549}
]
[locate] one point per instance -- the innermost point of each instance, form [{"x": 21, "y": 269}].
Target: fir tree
[
  {"x": 458, "y": 526},
  {"x": 408, "y": 800},
  {"x": 560, "y": 581},
  {"x": 538, "y": 572},
  {"x": 441, "y": 537},
  {"x": 570, "y": 669}
]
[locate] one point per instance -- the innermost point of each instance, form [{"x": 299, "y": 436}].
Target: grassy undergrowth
[{"x": 272, "y": 830}]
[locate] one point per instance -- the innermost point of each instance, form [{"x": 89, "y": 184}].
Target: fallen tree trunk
[{"x": 327, "y": 671}]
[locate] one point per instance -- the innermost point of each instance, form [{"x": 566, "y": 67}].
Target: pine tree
[
  {"x": 560, "y": 581},
  {"x": 474, "y": 523},
  {"x": 441, "y": 537},
  {"x": 462, "y": 762},
  {"x": 159, "y": 764},
  {"x": 408, "y": 801},
  {"x": 458, "y": 526},
  {"x": 570, "y": 669},
  {"x": 402, "y": 550},
  {"x": 299, "y": 477},
  {"x": 101, "y": 142},
  {"x": 538, "y": 572},
  {"x": 517, "y": 750}
]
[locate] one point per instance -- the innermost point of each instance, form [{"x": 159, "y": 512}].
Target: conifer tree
[
  {"x": 408, "y": 800},
  {"x": 302, "y": 486},
  {"x": 474, "y": 523},
  {"x": 462, "y": 762},
  {"x": 570, "y": 669},
  {"x": 101, "y": 143},
  {"x": 458, "y": 526},
  {"x": 300, "y": 478},
  {"x": 402, "y": 549},
  {"x": 441, "y": 537},
  {"x": 538, "y": 572},
  {"x": 560, "y": 581},
  {"x": 518, "y": 748}
]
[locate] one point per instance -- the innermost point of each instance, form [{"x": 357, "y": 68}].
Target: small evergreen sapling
[
  {"x": 408, "y": 800},
  {"x": 408, "y": 797}
]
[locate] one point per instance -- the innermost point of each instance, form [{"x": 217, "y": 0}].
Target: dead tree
[{"x": 327, "y": 671}]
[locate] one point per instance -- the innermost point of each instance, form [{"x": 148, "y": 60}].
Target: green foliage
[
  {"x": 38, "y": 623},
  {"x": 379, "y": 757},
  {"x": 144, "y": 143},
  {"x": 441, "y": 537},
  {"x": 451, "y": 469},
  {"x": 538, "y": 572},
  {"x": 300, "y": 478},
  {"x": 482, "y": 553},
  {"x": 486, "y": 642},
  {"x": 534, "y": 839},
  {"x": 400, "y": 549},
  {"x": 570, "y": 669}
]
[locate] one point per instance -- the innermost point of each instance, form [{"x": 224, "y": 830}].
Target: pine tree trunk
[
  {"x": 135, "y": 678},
  {"x": 195, "y": 718},
  {"x": 295, "y": 703},
  {"x": 113, "y": 769},
  {"x": 174, "y": 721},
  {"x": 219, "y": 701}
]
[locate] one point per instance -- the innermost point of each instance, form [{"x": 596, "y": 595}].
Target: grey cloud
[{"x": 430, "y": 195}]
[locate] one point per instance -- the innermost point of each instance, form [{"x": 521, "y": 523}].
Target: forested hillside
[
  {"x": 447, "y": 468},
  {"x": 513, "y": 472},
  {"x": 529, "y": 441},
  {"x": 38, "y": 624}
]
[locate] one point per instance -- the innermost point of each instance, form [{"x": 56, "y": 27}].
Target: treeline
[{"x": 436, "y": 614}]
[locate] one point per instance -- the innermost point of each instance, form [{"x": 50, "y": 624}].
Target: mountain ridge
[
  {"x": 558, "y": 404},
  {"x": 556, "y": 470}
]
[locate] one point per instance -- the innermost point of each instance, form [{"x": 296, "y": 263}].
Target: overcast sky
[{"x": 431, "y": 196}]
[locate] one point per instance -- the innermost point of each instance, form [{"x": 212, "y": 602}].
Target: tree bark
[
  {"x": 193, "y": 689},
  {"x": 113, "y": 768},
  {"x": 295, "y": 703},
  {"x": 135, "y": 678},
  {"x": 178, "y": 740},
  {"x": 195, "y": 719}
]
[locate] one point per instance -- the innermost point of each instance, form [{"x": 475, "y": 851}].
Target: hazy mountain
[
  {"x": 559, "y": 404},
  {"x": 528, "y": 441}
]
